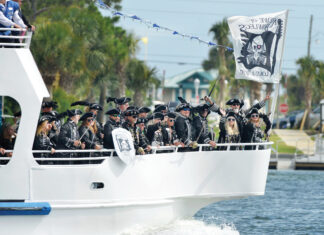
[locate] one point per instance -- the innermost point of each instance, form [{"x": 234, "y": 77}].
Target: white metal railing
[
  {"x": 304, "y": 152},
  {"x": 155, "y": 150},
  {"x": 21, "y": 41}
]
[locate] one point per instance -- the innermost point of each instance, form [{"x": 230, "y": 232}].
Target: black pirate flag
[
  {"x": 258, "y": 45},
  {"x": 258, "y": 48}
]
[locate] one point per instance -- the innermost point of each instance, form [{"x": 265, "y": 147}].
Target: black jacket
[
  {"x": 151, "y": 129},
  {"x": 254, "y": 134},
  {"x": 110, "y": 125},
  {"x": 88, "y": 137},
  {"x": 68, "y": 134},
  {"x": 200, "y": 127},
  {"x": 183, "y": 129},
  {"x": 42, "y": 142}
]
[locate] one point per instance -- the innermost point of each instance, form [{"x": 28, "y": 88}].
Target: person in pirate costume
[
  {"x": 143, "y": 141},
  {"x": 121, "y": 104},
  {"x": 69, "y": 137},
  {"x": 87, "y": 133},
  {"x": 229, "y": 131},
  {"x": 183, "y": 126},
  {"x": 156, "y": 118},
  {"x": 166, "y": 135},
  {"x": 200, "y": 126},
  {"x": 55, "y": 122},
  {"x": 143, "y": 112},
  {"x": 94, "y": 108},
  {"x": 252, "y": 132},
  {"x": 42, "y": 141},
  {"x": 236, "y": 107},
  {"x": 112, "y": 123},
  {"x": 48, "y": 107},
  {"x": 130, "y": 124},
  {"x": 161, "y": 108}
]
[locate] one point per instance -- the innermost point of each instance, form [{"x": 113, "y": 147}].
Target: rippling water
[{"x": 293, "y": 204}]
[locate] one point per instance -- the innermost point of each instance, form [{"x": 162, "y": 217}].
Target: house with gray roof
[{"x": 184, "y": 85}]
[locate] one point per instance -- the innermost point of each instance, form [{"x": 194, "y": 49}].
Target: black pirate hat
[
  {"x": 142, "y": 120},
  {"x": 157, "y": 116},
  {"x": 160, "y": 108},
  {"x": 171, "y": 115},
  {"x": 90, "y": 105},
  {"x": 230, "y": 114},
  {"x": 74, "y": 112},
  {"x": 96, "y": 106},
  {"x": 201, "y": 108},
  {"x": 144, "y": 110},
  {"x": 113, "y": 111},
  {"x": 49, "y": 104},
  {"x": 252, "y": 111},
  {"x": 235, "y": 101},
  {"x": 119, "y": 101},
  {"x": 87, "y": 115},
  {"x": 45, "y": 118},
  {"x": 183, "y": 106},
  {"x": 131, "y": 111}
]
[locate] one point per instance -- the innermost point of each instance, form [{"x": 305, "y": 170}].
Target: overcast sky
[{"x": 165, "y": 51}]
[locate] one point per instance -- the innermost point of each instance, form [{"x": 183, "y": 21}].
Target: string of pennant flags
[{"x": 150, "y": 24}]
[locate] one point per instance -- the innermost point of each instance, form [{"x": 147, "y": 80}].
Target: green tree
[
  {"x": 219, "y": 59},
  {"x": 140, "y": 77},
  {"x": 57, "y": 51},
  {"x": 33, "y": 8},
  {"x": 307, "y": 72}
]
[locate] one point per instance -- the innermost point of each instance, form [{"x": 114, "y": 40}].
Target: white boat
[{"x": 108, "y": 196}]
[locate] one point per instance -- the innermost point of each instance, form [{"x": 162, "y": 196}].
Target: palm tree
[
  {"x": 218, "y": 57},
  {"x": 58, "y": 52},
  {"x": 140, "y": 77},
  {"x": 307, "y": 73}
]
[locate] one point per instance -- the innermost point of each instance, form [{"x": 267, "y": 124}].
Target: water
[{"x": 293, "y": 204}]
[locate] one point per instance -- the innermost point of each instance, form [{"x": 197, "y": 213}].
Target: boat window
[{"x": 10, "y": 115}]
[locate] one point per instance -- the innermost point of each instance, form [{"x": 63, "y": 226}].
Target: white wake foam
[{"x": 184, "y": 227}]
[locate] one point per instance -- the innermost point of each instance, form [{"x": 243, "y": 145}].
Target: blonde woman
[
  {"x": 87, "y": 131},
  {"x": 42, "y": 141},
  {"x": 252, "y": 130},
  {"x": 230, "y": 133}
]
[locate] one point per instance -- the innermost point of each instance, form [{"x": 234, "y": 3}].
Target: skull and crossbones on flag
[{"x": 258, "y": 46}]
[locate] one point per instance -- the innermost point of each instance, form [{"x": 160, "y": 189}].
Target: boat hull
[{"x": 155, "y": 190}]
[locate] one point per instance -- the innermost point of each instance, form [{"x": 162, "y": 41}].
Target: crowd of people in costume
[{"x": 186, "y": 127}]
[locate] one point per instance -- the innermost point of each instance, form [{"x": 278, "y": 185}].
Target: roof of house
[{"x": 173, "y": 82}]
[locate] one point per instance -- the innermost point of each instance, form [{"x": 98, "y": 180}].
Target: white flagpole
[{"x": 274, "y": 102}]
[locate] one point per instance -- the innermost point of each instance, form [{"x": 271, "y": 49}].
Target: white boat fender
[{"x": 124, "y": 145}]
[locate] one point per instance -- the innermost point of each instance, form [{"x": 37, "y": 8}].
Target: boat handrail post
[{"x": 28, "y": 38}]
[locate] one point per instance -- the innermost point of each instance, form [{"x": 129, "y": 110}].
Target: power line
[
  {"x": 191, "y": 63},
  {"x": 187, "y": 56}
]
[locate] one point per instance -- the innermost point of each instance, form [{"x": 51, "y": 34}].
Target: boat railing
[
  {"x": 21, "y": 40},
  {"x": 89, "y": 156}
]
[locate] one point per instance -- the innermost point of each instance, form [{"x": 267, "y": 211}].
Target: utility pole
[
  {"x": 310, "y": 36},
  {"x": 308, "y": 55}
]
